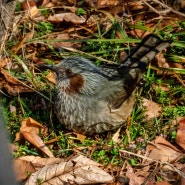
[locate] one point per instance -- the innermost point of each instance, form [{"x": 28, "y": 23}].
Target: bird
[{"x": 94, "y": 99}]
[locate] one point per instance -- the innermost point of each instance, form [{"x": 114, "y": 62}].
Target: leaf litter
[{"x": 100, "y": 16}]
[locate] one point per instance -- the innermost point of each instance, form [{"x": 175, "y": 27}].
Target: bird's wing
[{"x": 130, "y": 72}]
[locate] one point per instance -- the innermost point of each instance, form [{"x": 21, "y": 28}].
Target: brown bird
[{"x": 94, "y": 99}]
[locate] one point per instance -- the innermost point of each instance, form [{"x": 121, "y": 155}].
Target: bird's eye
[{"x": 69, "y": 72}]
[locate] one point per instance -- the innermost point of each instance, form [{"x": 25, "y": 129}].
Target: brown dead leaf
[
  {"x": 138, "y": 33},
  {"x": 12, "y": 84},
  {"x": 115, "y": 137},
  {"x": 35, "y": 140},
  {"x": 107, "y": 3},
  {"x": 52, "y": 140},
  {"x": 30, "y": 8},
  {"x": 47, "y": 4},
  {"x": 80, "y": 136},
  {"x": 4, "y": 61},
  {"x": 29, "y": 124},
  {"x": 39, "y": 162},
  {"x": 9, "y": 78},
  {"x": 163, "y": 183},
  {"x": 153, "y": 109},
  {"x": 51, "y": 77},
  {"x": 162, "y": 150},
  {"x": 78, "y": 170},
  {"x": 136, "y": 5},
  {"x": 161, "y": 61},
  {"x": 22, "y": 169},
  {"x": 68, "y": 17},
  {"x": 65, "y": 44},
  {"x": 18, "y": 46},
  {"x": 143, "y": 172},
  {"x": 30, "y": 130},
  {"x": 133, "y": 178},
  {"x": 180, "y": 138}
]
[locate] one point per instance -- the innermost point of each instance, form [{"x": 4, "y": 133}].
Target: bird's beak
[{"x": 51, "y": 67}]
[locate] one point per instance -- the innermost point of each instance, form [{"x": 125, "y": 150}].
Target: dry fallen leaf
[
  {"x": 68, "y": 17},
  {"x": 115, "y": 137},
  {"x": 30, "y": 130},
  {"x": 35, "y": 140},
  {"x": 162, "y": 150},
  {"x": 39, "y": 162},
  {"x": 107, "y": 3},
  {"x": 78, "y": 170},
  {"x": 51, "y": 77},
  {"x": 22, "y": 169},
  {"x": 138, "y": 33},
  {"x": 4, "y": 61},
  {"x": 66, "y": 36},
  {"x": 136, "y": 5},
  {"x": 80, "y": 136},
  {"x": 133, "y": 178},
  {"x": 12, "y": 84},
  {"x": 163, "y": 183},
  {"x": 153, "y": 109},
  {"x": 30, "y": 8}
]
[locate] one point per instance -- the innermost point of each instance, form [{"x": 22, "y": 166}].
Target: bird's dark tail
[{"x": 145, "y": 52}]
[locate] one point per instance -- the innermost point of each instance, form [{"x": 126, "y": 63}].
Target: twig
[
  {"x": 152, "y": 8},
  {"x": 178, "y": 78},
  {"x": 160, "y": 162},
  {"x": 152, "y": 174},
  {"x": 164, "y": 12}
]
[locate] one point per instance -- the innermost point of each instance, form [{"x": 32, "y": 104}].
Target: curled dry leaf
[
  {"x": 162, "y": 150},
  {"x": 29, "y": 131},
  {"x": 39, "y": 162},
  {"x": 29, "y": 124},
  {"x": 78, "y": 170},
  {"x": 153, "y": 109},
  {"x": 12, "y": 84},
  {"x": 68, "y": 17},
  {"x": 35, "y": 140}
]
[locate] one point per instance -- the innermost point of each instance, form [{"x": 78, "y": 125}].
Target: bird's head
[{"x": 77, "y": 75}]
